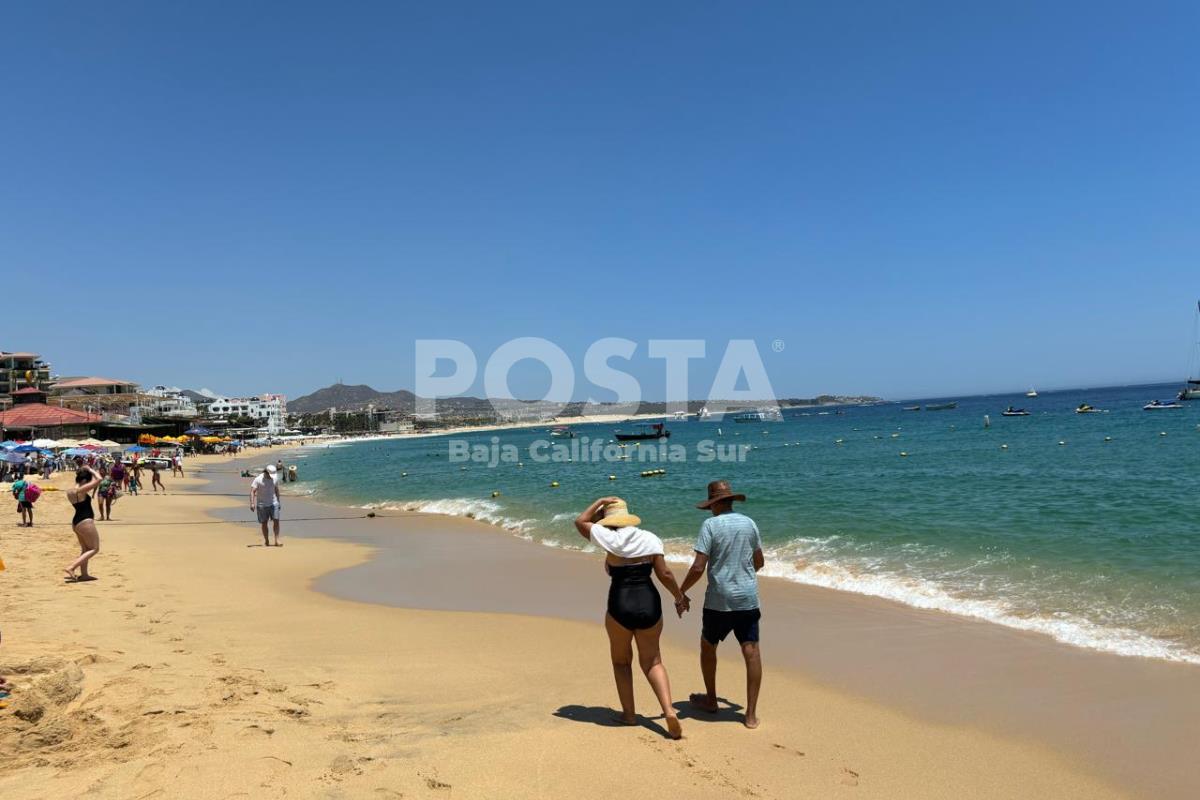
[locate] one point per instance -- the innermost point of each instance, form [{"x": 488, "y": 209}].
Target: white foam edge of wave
[{"x": 928, "y": 595}]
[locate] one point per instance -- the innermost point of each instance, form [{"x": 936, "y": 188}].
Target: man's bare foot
[
  {"x": 625, "y": 719},
  {"x": 704, "y": 702},
  {"x": 674, "y": 729},
  {"x": 751, "y": 721}
]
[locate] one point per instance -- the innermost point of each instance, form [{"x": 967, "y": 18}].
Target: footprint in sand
[{"x": 849, "y": 777}]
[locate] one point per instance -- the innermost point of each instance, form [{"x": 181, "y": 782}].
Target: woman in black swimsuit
[
  {"x": 84, "y": 522},
  {"x": 634, "y": 607}
]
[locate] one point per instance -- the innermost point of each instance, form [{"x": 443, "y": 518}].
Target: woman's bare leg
[
  {"x": 650, "y": 660},
  {"x": 89, "y": 546},
  {"x": 620, "y": 643}
]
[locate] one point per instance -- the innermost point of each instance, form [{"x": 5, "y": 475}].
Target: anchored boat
[
  {"x": 1014, "y": 412},
  {"x": 1191, "y": 388},
  {"x": 643, "y": 431},
  {"x": 941, "y": 406}
]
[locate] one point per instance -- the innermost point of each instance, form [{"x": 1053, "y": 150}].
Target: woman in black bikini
[
  {"x": 634, "y": 607},
  {"x": 84, "y": 522}
]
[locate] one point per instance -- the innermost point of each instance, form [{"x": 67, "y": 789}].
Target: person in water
[
  {"x": 84, "y": 522},
  {"x": 634, "y": 606},
  {"x": 729, "y": 547}
]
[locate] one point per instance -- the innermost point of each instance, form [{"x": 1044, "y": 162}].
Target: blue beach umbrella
[
  {"x": 13, "y": 458},
  {"x": 136, "y": 448},
  {"x": 24, "y": 448},
  {"x": 77, "y": 451},
  {"x": 9, "y": 445}
]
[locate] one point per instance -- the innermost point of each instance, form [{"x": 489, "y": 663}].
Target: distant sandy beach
[{"x": 203, "y": 665}]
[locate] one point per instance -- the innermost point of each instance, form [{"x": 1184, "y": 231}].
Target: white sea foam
[
  {"x": 487, "y": 511},
  {"x": 926, "y": 594}
]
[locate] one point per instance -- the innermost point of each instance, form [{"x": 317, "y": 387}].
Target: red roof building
[{"x": 30, "y": 416}]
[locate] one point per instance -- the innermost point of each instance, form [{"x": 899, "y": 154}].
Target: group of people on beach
[{"x": 728, "y": 548}]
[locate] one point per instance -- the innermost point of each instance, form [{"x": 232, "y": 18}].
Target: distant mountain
[{"x": 347, "y": 397}]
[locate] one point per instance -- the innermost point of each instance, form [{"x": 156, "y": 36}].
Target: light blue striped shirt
[{"x": 729, "y": 540}]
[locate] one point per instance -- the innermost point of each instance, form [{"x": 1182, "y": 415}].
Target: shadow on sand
[{"x": 609, "y": 718}]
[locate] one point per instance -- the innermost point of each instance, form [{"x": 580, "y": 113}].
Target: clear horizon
[{"x": 931, "y": 201}]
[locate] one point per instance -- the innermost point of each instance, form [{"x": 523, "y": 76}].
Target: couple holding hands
[{"x": 728, "y": 548}]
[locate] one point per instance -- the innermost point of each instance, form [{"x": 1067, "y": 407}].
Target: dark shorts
[
  {"x": 718, "y": 624},
  {"x": 267, "y": 512},
  {"x": 24, "y": 505}
]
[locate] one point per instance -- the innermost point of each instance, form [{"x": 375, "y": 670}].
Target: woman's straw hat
[{"x": 616, "y": 515}]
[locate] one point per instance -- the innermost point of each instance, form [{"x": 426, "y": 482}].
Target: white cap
[{"x": 271, "y": 468}]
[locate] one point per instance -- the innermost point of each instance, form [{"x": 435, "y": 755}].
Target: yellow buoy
[
  {"x": 495, "y": 494},
  {"x": 553, "y": 484},
  {"x": 612, "y": 477}
]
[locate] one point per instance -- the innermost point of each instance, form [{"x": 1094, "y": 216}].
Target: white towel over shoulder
[{"x": 627, "y": 542}]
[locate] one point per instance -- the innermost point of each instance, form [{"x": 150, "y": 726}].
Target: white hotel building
[{"x": 269, "y": 410}]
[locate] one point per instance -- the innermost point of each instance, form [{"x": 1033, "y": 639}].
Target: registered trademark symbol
[{"x": 777, "y": 345}]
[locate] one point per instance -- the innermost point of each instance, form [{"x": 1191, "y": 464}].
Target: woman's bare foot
[
  {"x": 751, "y": 722},
  {"x": 674, "y": 729},
  {"x": 703, "y": 702},
  {"x": 625, "y": 719},
  {"x": 70, "y": 574}
]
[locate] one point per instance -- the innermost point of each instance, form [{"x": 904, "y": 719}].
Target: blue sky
[{"x": 919, "y": 199}]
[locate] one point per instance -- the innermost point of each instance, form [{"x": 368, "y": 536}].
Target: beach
[{"x": 200, "y": 665}]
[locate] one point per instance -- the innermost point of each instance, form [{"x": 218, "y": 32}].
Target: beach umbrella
[
  {"x": 136, "y": 448},
  {"x": 109, "y": 443},
  {"x": 67, "y": 443},
  {"x": 13, "y": 458},
  {"x": 9, "y": 445},
  {"x": 44, "y": 443},
  {"x": 77, "y": 451},
  {"x": 90, "y": 441},
  {"x": 198, "y": 431},
  {"x": 24, "y": 448}
]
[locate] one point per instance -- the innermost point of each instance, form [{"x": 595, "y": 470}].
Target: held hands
[{"x": 683, "y": 604}]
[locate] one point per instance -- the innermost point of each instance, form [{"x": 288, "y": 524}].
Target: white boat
[
  {"x": 1031, "y": 393},
  {"x": 705, "y": 413},
  {"x": 1159, "y": 405},
  {"x": 768, "y": 414}
]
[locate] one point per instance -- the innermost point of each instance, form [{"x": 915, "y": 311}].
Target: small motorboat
[
  {"x": 941, "y": 406},
  {"x": 1159, "y": 405},
  {"x": 912, "y": 408},
  {"x": 1031, "y": 393},
  {"x": 1084, "y": 408},
  {"x": 1014, "y": 412},
  {"x": 643, "y": 431},
  {"x": 562, "y": 432}
]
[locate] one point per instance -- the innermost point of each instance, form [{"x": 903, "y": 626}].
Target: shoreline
[
  {"x": 202, "y": 664},
  {"x": 1012, "y": 682},
  {"x": 919, "y": 594}
]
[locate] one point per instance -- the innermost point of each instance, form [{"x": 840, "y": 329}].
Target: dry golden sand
[{"x": 199, "y": 667}]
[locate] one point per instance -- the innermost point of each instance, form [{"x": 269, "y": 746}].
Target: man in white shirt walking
[{"x": 266, "y": 503}]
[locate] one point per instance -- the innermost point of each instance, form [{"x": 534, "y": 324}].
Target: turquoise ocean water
[{"x": 1085, "y": 527}]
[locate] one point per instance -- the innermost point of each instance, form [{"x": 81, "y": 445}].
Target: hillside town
[{"x": 35, "y": 403}]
